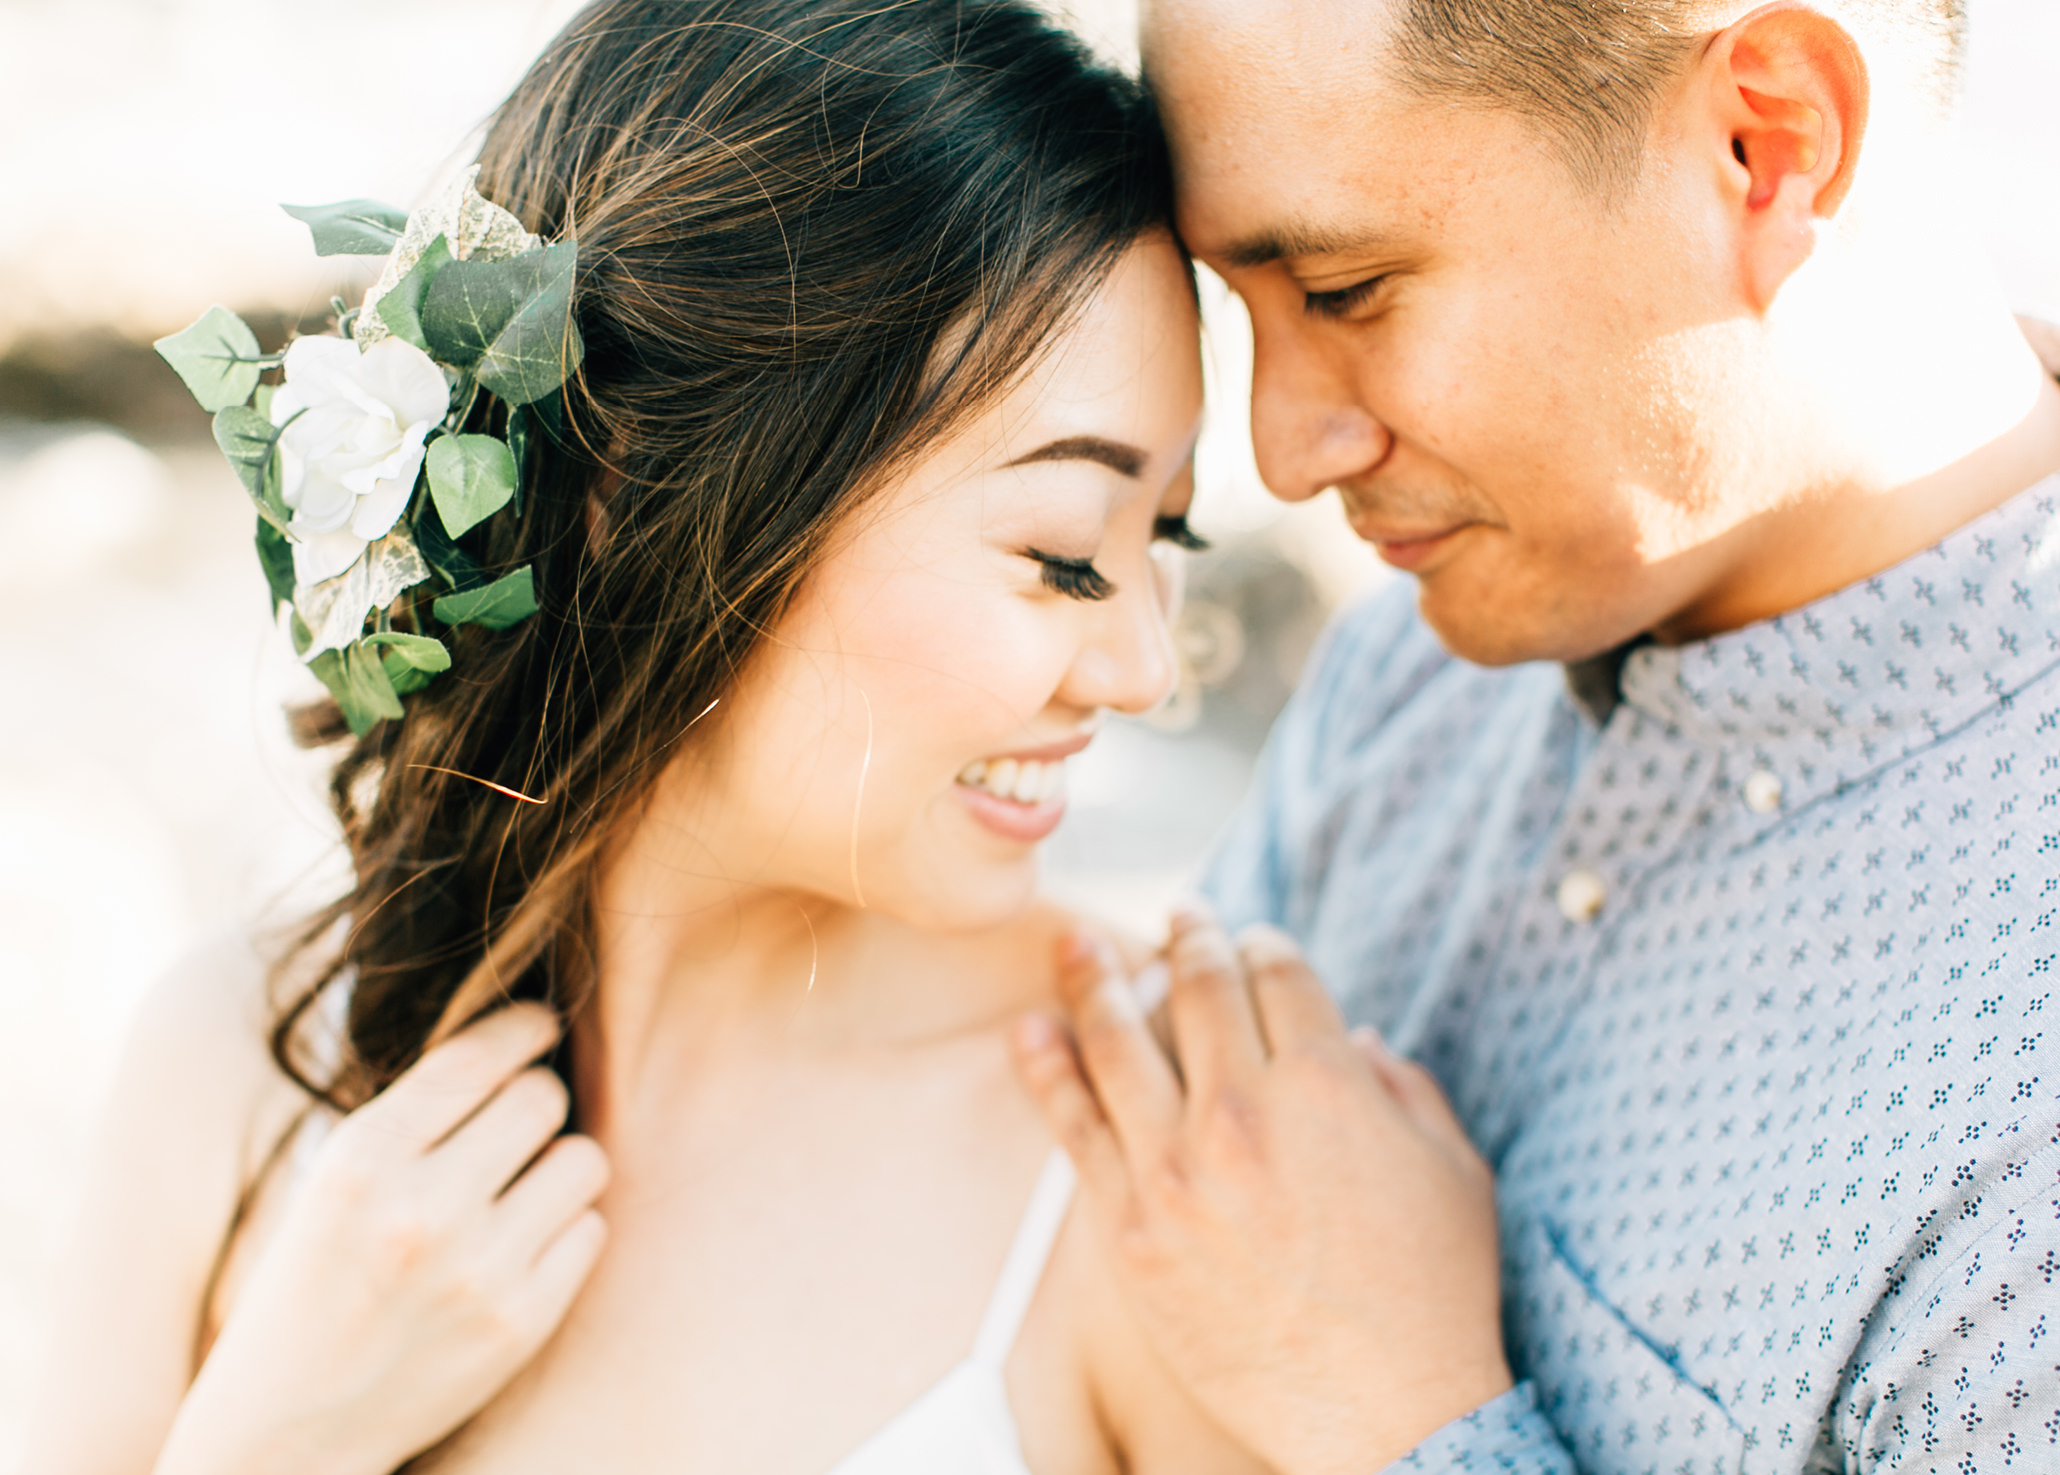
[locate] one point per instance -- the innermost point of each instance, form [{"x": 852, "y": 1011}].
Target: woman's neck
[{"x": 696, "y": 973}]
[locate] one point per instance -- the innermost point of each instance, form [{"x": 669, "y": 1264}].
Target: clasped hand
[
  {"x": 1297, "y": 1218},
  {"x": 442, "y": 1231}
]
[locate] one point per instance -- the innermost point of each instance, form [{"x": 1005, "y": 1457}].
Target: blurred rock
[{"x": 95, "y": 374}]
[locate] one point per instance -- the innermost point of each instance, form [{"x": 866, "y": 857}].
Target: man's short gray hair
[{"x": 1588, "y": 72}]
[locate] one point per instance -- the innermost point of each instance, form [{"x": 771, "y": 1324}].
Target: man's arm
[
  {"x": 1961, "y": 1370},
  {"x": 1297, "y": 1218}
]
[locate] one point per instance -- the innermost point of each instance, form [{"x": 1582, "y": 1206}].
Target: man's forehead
[
  {"x": 1258, "y": 40},
  {"x": 1279, "y": 114}
]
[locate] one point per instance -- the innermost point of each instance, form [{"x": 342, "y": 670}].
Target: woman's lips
[
  {"x": 1024, "y": 823},
  {"x": 1021, "y": 797}
]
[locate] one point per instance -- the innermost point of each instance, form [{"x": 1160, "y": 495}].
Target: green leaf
[
  {"x": 217, "y": 357},
  {"x": 275, "y": 556},
  {"x": 508, "y": 600},
  {"x": 544, "y": 417},
  {"x": 518, "y": 449},
  {"x": 248, "y": 439},
  {"x": 411, "y": 662},
  {"x": 457, "y": 568},
  {"x": 352, "y": 227},
  {"x": 509, "y": 322},
  {"x": 358, "y": 681},
  {"x": 401, "y": 308},
  {"x": 471, "y": 477}
]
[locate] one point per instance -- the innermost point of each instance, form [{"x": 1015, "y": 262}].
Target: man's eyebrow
[
  {"x": 1125, "y": 460},
  {"x": 1298, "y": 239}
]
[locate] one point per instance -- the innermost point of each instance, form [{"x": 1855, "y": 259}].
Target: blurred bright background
[{"x": 148, "y": 797}]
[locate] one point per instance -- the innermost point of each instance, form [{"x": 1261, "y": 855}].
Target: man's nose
[{"x": 1310, "y": 429}]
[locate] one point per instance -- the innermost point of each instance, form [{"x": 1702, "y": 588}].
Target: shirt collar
[{"x": 1880, "y": 667}]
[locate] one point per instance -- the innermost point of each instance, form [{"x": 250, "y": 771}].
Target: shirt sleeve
[
  {"x": 1508, "y": 1435},
  {"x": 1963, "y": 1374}
]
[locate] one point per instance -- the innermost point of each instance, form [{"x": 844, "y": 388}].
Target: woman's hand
[{"x": 436, "y": 1244}]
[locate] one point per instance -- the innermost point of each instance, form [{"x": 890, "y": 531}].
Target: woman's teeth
[{"x": 1017, "y": 780}]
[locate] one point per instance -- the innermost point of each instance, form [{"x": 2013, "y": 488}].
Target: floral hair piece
[{"x": 365, "y": 484}]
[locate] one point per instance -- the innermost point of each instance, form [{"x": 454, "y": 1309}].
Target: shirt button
[
  {"x": 1581, "y": 895},
  {"x": 1762, "y": 792}
]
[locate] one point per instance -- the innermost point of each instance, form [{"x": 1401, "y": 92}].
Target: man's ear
[{"x": 1790, "y": 107}]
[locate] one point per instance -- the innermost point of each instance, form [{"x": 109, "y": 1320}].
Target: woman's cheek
[
  {"x": 1169, "y": 579},
  {"x": 982, "y": 663}
]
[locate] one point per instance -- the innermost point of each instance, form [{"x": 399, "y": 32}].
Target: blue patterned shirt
[{"x": 1741, "y": 968}]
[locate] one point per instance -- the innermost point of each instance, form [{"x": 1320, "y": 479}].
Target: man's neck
[{"x": 1963, "y": 431}]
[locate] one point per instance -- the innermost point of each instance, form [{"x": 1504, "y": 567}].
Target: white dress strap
[{"x": 1024, "y": 1268}]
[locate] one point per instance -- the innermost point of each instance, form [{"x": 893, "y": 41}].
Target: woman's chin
[{"x": 968, "y": 893}]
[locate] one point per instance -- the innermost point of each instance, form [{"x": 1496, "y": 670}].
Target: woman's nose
[
  {"x": 1130, "y": 664},
  {"x": 1309, "y": 429}
]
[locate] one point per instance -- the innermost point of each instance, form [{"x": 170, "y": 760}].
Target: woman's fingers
[
  {"x": 1134, "y": 1083},
  {"x": 559, "y": 1272},
  {"x": 433, "y": 1096},
  {"x": 1051, "y": 1073},
  {"x": 1215, "y": 1030},
  {"x": 560, "y": 1185},
  {"x": 485, "y": 1153},
  {"x": 1293, "y": 1006}
]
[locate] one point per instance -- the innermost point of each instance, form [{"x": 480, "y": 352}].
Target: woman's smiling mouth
[
  {"x": 1020, "y": 796},
  {"x": 1026, "y": 781}
]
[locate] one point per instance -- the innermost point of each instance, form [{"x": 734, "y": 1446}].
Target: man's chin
[{"x": 1476, "y": 625}]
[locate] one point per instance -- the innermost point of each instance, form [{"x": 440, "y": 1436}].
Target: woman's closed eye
[
  {"x": 1078, "y": 578},
  {"x": 1172, "y": 528}
]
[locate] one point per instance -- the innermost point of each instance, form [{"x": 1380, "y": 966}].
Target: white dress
[{"x": 963, "y": 1425}]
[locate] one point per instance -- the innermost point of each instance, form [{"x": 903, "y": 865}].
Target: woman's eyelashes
[
  {"x": 1078, "y": 578},
  {"x": 1173, "y": 529}
]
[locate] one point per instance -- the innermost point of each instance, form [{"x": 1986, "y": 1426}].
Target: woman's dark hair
[{"x": 813, "y": 235}]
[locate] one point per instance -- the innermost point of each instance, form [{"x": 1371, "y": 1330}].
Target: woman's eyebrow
[{"x": 1125, "y": 460}]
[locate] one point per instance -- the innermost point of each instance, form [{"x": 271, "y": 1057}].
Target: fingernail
[
  {"x": 1153, "y": 982},
  {"x": 1374, "y": 1040},
  {"x": 1263, "y": 944}
]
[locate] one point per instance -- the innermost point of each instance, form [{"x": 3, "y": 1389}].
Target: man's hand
[{"x": 1298, "y": 1220}]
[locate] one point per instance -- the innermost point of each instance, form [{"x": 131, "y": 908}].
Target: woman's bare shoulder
[
  {"x": 197, "y": 1089},
  {"x": 202, "y": 1035},
  {"x": 191, "y": 1110}
]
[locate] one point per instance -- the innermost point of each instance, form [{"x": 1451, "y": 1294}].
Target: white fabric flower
[{"x": 353, "y": 447}]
